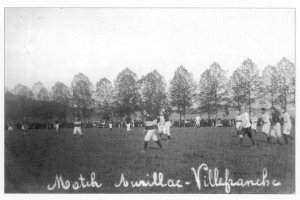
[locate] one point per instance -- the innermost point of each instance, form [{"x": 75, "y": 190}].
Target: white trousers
[
  {"x": 128, "y": 127},
  {"x": 287, "y": 128},
  {"x": 266, "y": 128},
  {"x": 166, "y": 129},
  {"x": 150, "y": 134},
  {"x": 276, "y": 131},
  {"x": 77, "y": 129}
]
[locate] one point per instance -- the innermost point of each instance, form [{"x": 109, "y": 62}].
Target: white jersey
[
  {"x": 253, "y": 122},
  {"x": 266, "y": 118},
  {"x": 198, "y": 119},
  {"x": 245, "y": 120},
  {"x": 287, "y": 124},
  {"x": 287, "y": 118},
  {"x": 161, "y": 120}
]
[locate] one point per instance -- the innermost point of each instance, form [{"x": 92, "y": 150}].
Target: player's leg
[
  {"x": 241, "y": 135},
  {"x": 286, "y": 132},
  {"x": 249, "y": 133},
  {"x": 278, "y": 132},
  {"x": 75, "y": 131},
  {"x": 168, "y": 133},
  {"x": 155, "y": 139},
  {"x": 147, "y": 138}
]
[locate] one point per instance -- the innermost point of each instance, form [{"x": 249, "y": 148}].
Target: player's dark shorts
[{"x": 246, "y": 131}]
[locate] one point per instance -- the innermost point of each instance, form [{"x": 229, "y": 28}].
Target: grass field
[{"x": 33, "y": 161}]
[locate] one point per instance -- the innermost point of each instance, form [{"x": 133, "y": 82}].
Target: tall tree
[
  {"x": 152, "y": 89},
  {"x": 245, "y": 82},
  {"x": 61, "y": 94},
  {"x": 287, "y": 80},
  {"x": 104, "y": 98},
  {"x": 212, "y": 89},
  {"x": 127, "y": 95},
  {"x": 181, "y": 90},
  {"x": 22, "y": 90},
  {"x": 270, "y": 85},
  {"x": 82, "y": 95}
]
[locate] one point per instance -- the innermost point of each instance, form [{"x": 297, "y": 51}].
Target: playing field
[{"x": 33, "y": 161}]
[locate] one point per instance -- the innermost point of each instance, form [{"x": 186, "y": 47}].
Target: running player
[
  {"x": 287, "y": 124},
  {"x": 77, "y": 127},
  {"x": 246, "y": 127},
  {"x": 150, "y": 126},
  {"x": 254, "y": 120}
]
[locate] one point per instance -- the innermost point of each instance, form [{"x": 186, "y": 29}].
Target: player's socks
[
  {"x": 169, "y": 137},
  {"x": 285, "y": 138},
  {"x": 268, "y": 140},
  {"x": 253, "y": 143},
  {"x": 159, "y": 144},
  {"x": 145, "y": 145}
]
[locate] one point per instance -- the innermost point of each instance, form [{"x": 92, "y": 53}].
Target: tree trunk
[
  {"x": 180, "y": 118},
  {"x": 285, "y": 99},
  {"x": 249, "y": 102}
]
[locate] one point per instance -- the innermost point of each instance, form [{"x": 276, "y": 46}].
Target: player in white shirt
[
  {"x": 287, "y": 124},
  {"x": 198, "y": 120},
  {"x": 110, "y": 124},
  {"x": 10, "y": 128},
  {"x": 167, "y": 126},
  {"x": 56, "y": 125},
  {"x": 266, "y": 124},
  {"x": 246, "y": 127},
  {"x": 161, "y": 123},
  {"x": 77, "y": 127},
  {"x": 254, "y": 120},
  {"x": 238, "y": 122}
]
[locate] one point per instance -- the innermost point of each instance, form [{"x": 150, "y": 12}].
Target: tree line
[{"x": 214, "y": 92}]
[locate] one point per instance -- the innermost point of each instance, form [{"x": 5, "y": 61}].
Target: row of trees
[{"x": 214, "y": 91}]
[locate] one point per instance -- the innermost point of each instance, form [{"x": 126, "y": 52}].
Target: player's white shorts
[
  {"x": 254, "y": 126},
  {"x": 110, "y": 125},
  {"x": 197, "y": 123},
  {"x": 276, "y": 131},
  {"x": 10, "y": 128},
  {"x": 23, "y": 127},
  {"x": 266, "y": 128},
  {"x": 238, "y": 125},
  {"x": 77, "y": 129},
  {"x": 160, "y": 128},
  {"x": 128, "y": 127},
  {"x": 287, "y": 128},
  {"x": 56, "y": 126},
  {"x": 150, "y": 134},
  {"x": 166, "y": 129}
]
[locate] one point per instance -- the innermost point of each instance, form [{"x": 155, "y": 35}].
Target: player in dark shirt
[{"x": 150, "y": 128}]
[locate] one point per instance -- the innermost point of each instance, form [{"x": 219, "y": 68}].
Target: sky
[{"x": 54, "y": 44}]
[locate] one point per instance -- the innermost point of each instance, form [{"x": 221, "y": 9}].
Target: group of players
[{"x": 276, "y": 125}]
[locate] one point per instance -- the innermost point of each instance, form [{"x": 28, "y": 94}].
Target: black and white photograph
[{"x": 160, "y": 100}]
